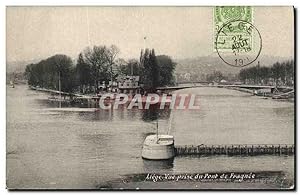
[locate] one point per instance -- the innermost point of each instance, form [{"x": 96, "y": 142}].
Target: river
[{"x": 51, "y": 149}]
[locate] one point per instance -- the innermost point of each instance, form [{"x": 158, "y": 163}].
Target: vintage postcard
[{"x": 150, "y": 98}]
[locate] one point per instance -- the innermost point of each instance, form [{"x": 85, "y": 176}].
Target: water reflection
[
  {"x": 156, "y": 166},
  {"x": 121, "y": 114},
  {"x": 155, "y": 113}
]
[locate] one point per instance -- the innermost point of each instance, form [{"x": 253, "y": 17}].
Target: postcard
[{"x": 150, "y": 98}]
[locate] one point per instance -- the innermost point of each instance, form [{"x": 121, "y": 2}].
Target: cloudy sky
[{"x": 181, "y": 32}]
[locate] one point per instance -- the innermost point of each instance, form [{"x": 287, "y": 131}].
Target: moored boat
[{"x": 11, "y": 84}]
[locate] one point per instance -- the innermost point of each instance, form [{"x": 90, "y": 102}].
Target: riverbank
[{"x": 276, "y": 97}]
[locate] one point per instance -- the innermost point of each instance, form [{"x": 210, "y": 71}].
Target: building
[{"x": 128, "y": 84}]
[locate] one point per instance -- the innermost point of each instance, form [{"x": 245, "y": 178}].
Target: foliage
[
  {"x": 150, "y": 75},
  {"x": 216, "y": 76},
  {"x": 278, "y": 73},
  {"x": 166, "y": 69},
  {"x": 46, "y": 73},
  {"x": 97, "y": 65},
  {"x": 132, "y": 67}
]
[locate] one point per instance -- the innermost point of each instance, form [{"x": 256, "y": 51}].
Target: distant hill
[
  {"x": 18, "y": 66},
  {"x": 209, "y": 64}
]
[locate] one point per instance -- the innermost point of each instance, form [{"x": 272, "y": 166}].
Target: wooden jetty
[
  {"x": 53, "y": 91},
  {"x": 235, "y": 149}
]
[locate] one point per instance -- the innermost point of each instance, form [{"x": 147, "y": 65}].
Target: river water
[{"x": 82, "y": 150}]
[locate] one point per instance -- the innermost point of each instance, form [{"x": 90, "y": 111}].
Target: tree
[
  {"x": 100, "y": 60},
  {"x": 283, "y": 72},
  {"x": 30, "y": 74},
  {"x": 216, "y": 76},
  {"x": 46, "y": 73},
  {"x": 290, "y": 72},
  {"x": 155, "y": 72},
  {"x": 146, "y": 79},
  {"x": 243, "y": 75},
  {"x": 275, "y": 70},
  {"x": 264, "y": 73},
  {"x": 61, "y": 66},
  {"x": 83, "y": 72},
  {"x": 166, "y": 69},
  {"x": 97, "y": 60},
  {"x": 150, "y": 75},
  {"x": 130, "y": 67},
  {"x": 112, "y": 53}
]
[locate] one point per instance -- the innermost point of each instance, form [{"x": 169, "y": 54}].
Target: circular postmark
[{"x": 238, "y": 43}]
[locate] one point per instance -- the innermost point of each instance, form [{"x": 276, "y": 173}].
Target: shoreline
[{"x": 291, "y": 100}]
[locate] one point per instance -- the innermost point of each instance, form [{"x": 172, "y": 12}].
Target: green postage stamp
[{"x": 225, "y": 42}]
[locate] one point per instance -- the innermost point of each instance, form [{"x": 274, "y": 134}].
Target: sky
[{"x": 180, "y": 32}]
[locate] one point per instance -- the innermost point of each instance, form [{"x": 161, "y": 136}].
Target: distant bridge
[
  {"x": 194, "y": 82},
  {"x": 196, "y": 85},
  {"x": 185, "y": 86}
]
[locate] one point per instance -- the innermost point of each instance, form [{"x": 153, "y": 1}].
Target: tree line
[
  {"x": 278, "y": 74},
  {"x": 46, "y": 73},
  {"x": 97, "y": 65}
]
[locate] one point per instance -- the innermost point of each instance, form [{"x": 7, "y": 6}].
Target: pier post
[{"x": 279, "y": 149}]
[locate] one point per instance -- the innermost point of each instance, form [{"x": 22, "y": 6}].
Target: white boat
[
  {"x": 158, "y": 147},
  {"x": 11, "y": 84}
]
